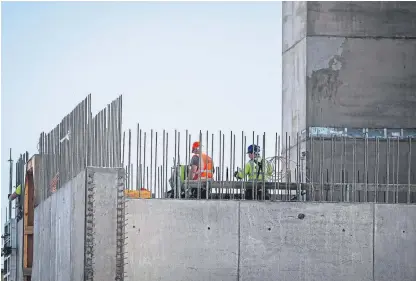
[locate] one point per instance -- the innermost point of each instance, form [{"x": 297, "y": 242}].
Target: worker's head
[
  {"x": 253, "y": 151},
  {"x": 195, "y": 147}
]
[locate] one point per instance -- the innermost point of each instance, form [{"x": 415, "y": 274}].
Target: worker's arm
[
  {"x": 239, "y": 174},
  {"x": 15, "y": 194}
]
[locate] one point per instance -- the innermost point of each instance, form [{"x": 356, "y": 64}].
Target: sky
[{"x": 170, "y": 61}]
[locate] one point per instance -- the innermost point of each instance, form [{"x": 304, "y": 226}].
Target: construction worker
[
  {"x": 254, "y": 169},
  {"x": 15, "y": 194},
  {"x": 207, "y": 164}
]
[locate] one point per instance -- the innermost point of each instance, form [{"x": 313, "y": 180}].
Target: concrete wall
[
  {"x": 60, "y": 236},
  {"x": 54, "y": 231},
  {"x": 181, "y": 240},
  {"x": 395, "y": 243},
  {"x": 228, "y": 240}
]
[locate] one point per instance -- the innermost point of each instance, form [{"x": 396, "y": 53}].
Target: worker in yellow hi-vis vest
[
  {"x": 16, "y": 193},
  {"x": 254, "y": 170}
]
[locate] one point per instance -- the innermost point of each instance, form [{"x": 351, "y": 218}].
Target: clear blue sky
[{"x": 222, "y": 57}]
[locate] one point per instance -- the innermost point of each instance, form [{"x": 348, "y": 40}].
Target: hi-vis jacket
[
  {"x": 205, "y": 172},
  {"x": 251, "y": 171}
]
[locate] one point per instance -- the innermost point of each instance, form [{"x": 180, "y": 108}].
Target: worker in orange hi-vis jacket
[{"x": 207, "y": 166}]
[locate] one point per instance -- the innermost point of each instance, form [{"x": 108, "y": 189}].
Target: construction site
[{"x": 330, "y": 197}]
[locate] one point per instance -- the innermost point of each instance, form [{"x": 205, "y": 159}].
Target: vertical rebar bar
[
  {"x": 397, "y": 171},
  {"x": 409, "y": 165},
  {"x": 10, "y": 182},
  {"x": 223, "y": 164},
  {"x": 212, "y": 156},
  {"x": 354, "y": 177},
  {"x": 178, "y": 165},
  {"x": 388, "y": 170},
  {"x": 145, "y": 179},
  {"x": 199, "y": 165},
  {"x": 286, "y": 170},
  {"x": 122, "y": 154},
  {"x": 129, "y": 163},
  {"x": 175, "y": 174},
  {"x": 274, "y": 169},
  {"x": 264, "y": 167},
  {"x": 233, "y": 167},
  {"x": 208, "y": 179},
  {"x": 366, "y": 168},
  {"x": 151, "y": 161},
  {"x": 157, "y": 191},
  {"x": 166, "y": 159},
  {"x": 163, "y": 165},
  {"x": 321, "y": 175},
  {"x": 253, "y": 167},
  {"x": 137, "y": 187},
  {"x": 298, "y": 174},
  {"x": 377, "y": 151},
  {"x": 188, "y": 172},
  {"x": 220, "y": 165},
  {"x": 278, "y": 166}
]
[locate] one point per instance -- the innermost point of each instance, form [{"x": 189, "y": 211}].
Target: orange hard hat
[{"x": 195, "y": 145}]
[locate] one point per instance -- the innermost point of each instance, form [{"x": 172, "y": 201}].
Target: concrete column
[{"x": 351, "y": 66}]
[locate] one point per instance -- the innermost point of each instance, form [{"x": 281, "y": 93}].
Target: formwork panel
[
  {"x": 395, "y": 242},
  {"x": 181, "y": 240},
  {"x": 306, "y": 241}
]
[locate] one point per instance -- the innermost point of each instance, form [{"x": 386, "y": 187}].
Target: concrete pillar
[{"x": 350, "y": 68}]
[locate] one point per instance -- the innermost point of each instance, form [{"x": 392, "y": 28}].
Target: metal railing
[
  {"x": 80, "y": 140},
  {"x": 311, "y": 167}
]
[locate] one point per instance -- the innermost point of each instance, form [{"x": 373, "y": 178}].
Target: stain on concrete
[{"x": 324, "y": 83}]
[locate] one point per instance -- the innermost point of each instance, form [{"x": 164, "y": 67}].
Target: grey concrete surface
[
  {"x": 182, "y": 240},
  {"x": 294, "y": 90},
  {"x": 361, "y": 83},
  {"x": 59, "y": 231},
  {"x": 359, "y": 63},
  {"x": 52, "y": 237},
  {"x": 332, "y": 241},
  {"x": 77, "y": 227},
  {"x": 362, "y": 19},
  {"x": 294, "y": 19},
  {"x": 104, "y": 182},
  {"x": 395, "y": 243},
  {"x": 228, "y": 240}
]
